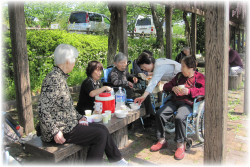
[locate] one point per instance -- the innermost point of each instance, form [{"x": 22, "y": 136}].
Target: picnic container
[
  {"x": 121, "y": 113},
  {"x": 134, "y": 106},
  {"x": 96, "y": 117},
  {"x": 107, "y": 100}
]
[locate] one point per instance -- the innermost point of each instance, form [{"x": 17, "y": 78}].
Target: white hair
[
  {"x": 64, "y": 53},
  {"x": 119, "y": 57},
  {"x": 186, "y": 48}
]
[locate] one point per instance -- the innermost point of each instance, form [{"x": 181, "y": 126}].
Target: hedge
[{"x": 41, "y": 45}]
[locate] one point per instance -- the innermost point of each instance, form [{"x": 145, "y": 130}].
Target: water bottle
[
  {"x": 119, "y": 98},
  {"x": 112, "y": 92}
]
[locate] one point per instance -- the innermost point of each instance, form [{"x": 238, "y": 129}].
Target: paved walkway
[
  {"x": 238, "y": 141},
  {"x": 137, "y": 152}
]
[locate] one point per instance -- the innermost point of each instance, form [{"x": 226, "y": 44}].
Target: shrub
[{"x": 41, "y": 46}]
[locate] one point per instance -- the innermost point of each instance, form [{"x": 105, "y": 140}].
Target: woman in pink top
[{"x": 181, "y": 101}]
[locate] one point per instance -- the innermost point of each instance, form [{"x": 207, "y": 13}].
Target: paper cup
[
  {"x": 109, "y": 113},
  {"x": 181, "y": 86},
  {"x": 123, "y": 107},
  {"x": 105, "y": 118},
  {"x": 89, "y": 118},
  {"x": 88, "y": 112}
]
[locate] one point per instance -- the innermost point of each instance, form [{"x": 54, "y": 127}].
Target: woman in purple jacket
[{"x": 182, "y": 102}]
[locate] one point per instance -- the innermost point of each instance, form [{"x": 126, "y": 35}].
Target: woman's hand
[
  {"x": 83, "y": 123},
  {"x": 176, "y": 90},
  {"x": 130, "y": 85},
  {"x": 184, "y": 91},
  {"x": 135, "y": 79},
  {"x": 59, "y": 139},
  {"x": 139, "y": 100},
  {"x": 107, "y": 88}
]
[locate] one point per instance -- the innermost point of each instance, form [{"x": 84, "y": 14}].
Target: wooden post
[
  {"x": 21, "y": 65},
  {"x": 230, "y": 34},
  {"x": 168, "y": 32},
  {"x": 122, "y": 27},
  {"x": 216, "y": 44},
  {"x": 234, "y": 37},
  {"x": 194, "y": 34},
  {"x": 238, "y": 42},
  {"x": 242, "y": 41},
  {"x": 247, "y": 67}
]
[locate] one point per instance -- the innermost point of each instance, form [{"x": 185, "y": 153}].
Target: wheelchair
[
  {"x": 104, "y": 81},
  {"x": 194, "y": 121}
]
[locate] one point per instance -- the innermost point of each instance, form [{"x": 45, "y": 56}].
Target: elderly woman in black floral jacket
[{"x": 59, "y": 120}]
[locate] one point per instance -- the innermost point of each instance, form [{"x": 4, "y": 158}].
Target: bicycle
[{"x": 6, "y": 160}]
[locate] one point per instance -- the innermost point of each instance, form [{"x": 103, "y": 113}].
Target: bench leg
[
  {"x": 75, "y": 160},
  {"x": 233, "y": 82},
  {"x": 120, "y": 137}
]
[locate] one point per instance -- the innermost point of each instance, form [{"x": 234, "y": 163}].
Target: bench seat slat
[{"x": 53, "y": 152}]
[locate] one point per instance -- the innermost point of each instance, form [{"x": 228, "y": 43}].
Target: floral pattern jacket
[{"x": 55, "y": 107}]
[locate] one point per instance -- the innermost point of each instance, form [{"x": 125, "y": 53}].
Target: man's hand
[
  {"x": 83, "y": 123},
  {"x": 139, "y": 100},
  {"x": 130, "y": 85},
  {"x": 135, "y": 79},
  {"x": 59, "y": 139}
]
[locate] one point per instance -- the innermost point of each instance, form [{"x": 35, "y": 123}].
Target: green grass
[
  {"x": 246, "y": 115},
  {"x": 240, "y": 126},
  {"x": 233, "y": 117}
]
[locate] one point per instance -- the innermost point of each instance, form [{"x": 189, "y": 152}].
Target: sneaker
[
  {"x": 122, "y": 162},
  {"x": 159, "y": 146},
  {"x": 179, "y": 153}
]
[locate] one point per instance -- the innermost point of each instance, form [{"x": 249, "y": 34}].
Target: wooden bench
[
  {"x": 234, "y": 81},
  {"x": 75, "y": 154}
]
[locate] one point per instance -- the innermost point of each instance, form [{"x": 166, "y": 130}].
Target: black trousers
[
  {"x": 98, "y": 138},
  {"x": 146, "y": 103},
  {"x": 164, "y": 113}
]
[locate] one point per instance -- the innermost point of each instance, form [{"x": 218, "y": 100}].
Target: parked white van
[
  {"x": 146, "y": 25},
  {"x": 81, "y": 20}
]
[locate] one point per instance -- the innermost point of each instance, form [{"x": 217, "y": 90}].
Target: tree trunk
[
  {"x": 112, "y": 41},
  {"x": 122, "y": 27},
  {"x": 187, "y": 28},
  {"x": 159, "y": 30},
  {"x": 216, "y": 97},
  {"x": 168, "y": 32},
  {"x": 21, "y": 65}
]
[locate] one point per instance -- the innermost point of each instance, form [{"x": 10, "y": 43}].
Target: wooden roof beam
[
  {"x": 236, "y": 25},
  {"x": 188, "y": 7}
]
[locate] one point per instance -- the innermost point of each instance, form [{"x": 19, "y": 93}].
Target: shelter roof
[{"x": 237, "y": 8}]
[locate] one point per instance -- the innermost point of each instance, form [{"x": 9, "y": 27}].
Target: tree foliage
[
  {"x": 5, "y": 14},
  {"x": 45, "y": 13}
]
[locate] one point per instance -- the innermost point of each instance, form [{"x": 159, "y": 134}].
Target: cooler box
[{"x": 107, "y": 100}]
